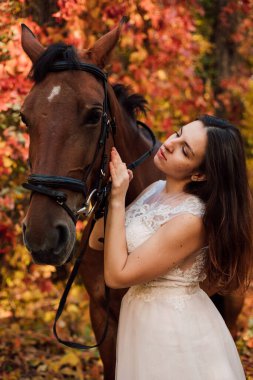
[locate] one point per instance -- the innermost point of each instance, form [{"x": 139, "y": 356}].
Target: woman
[{"x": 194, "y": 225}]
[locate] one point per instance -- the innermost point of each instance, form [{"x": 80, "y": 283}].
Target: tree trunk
[
  {"x": 41, "y": 11},
  {"x": 224, "y": 60}
]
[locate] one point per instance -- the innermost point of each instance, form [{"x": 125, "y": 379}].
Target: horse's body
[{"x": 63, "y": 114}]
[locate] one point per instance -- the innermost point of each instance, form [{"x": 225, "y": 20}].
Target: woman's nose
[{"x": 169, "y": 145}]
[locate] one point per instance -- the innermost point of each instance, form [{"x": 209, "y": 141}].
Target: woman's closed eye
[{"x": 184, "y": 147}]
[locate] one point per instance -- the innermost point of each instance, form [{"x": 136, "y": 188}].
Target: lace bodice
[{"x": 149, "y": 212}]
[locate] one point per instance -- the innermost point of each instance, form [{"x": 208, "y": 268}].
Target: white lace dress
[{"x": 169, "y": 329}]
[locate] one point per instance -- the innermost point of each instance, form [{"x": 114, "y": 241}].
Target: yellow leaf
[
  {"x": 161, "y": 74},
  {"x": 49, "y": 316},
  {"x": 7, "y": 162},
  {"x": 10, "y": 67},
  {"x": 138, "y": 56},
  {"x": 69, "y": 359}
]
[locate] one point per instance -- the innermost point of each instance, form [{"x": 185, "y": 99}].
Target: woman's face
[{"x": 183, "y": 152}]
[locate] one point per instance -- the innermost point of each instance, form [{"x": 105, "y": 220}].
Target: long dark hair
[{"x": 228, "y": 215}]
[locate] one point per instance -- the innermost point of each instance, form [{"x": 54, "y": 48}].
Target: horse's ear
[
  {"x": 30, "y": 44},
  {"x": 100, "y": 52}
]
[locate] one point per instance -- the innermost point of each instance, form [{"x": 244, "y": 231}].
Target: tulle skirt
[{"x": 174, "y": 334}]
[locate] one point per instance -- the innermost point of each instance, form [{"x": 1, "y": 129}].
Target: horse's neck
[
  {"x": 131, "y": 143},
  {"x": 129, "y": 139}
]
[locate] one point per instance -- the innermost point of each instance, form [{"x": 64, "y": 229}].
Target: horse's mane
[{"x": 132, "y": 103}]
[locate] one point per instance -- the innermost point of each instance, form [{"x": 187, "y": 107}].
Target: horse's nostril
[{"x": 63, "y": 236}]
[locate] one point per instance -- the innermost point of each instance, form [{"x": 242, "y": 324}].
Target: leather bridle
[
  {"x": 96, "y": 201},
  {"x": 48, "y": 184}
]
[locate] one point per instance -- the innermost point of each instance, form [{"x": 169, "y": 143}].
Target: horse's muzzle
[{"x": 54, "y": 248}]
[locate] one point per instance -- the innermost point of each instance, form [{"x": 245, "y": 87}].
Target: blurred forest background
[{"x": 187, "y": 58}]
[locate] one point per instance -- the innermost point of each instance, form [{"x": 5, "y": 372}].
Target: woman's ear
[{"x": 198, "y": 177}]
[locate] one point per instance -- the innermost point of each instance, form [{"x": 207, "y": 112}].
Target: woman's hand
[{"x": 120, "y": 176}]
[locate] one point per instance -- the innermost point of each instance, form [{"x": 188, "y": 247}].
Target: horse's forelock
[{"x": 55, "y": 52}]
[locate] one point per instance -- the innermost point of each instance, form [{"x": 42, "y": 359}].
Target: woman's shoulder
[
  {"x": 179, "y": 202},
  {"x": 192, "y": 204}
]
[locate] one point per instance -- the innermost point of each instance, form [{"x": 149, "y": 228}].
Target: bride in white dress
[{"x": 166, "y": 242}]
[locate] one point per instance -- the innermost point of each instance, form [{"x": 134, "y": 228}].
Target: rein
[{"x": 48, "y": 185}]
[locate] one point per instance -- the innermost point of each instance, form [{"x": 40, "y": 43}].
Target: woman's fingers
[
  {"x": 112, "y": 169},
  {"x": 116, "y": 161},
  {"x": 120, "y": 175},
  {"x": 119, "y": 168},
  {"x": 115, "y": 156}
]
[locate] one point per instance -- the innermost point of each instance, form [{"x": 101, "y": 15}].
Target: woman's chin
[{"x": 158, "y": 163}]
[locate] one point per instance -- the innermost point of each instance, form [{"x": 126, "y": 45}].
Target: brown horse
[{"x": 63, "y": 113}]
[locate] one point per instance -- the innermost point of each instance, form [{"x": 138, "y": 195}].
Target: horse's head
[{"x": 63, "y": 113}]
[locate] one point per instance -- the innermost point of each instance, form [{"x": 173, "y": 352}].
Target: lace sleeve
[
  {"x": 159, "y": 215},
  {"x": 192, "y": 205}
]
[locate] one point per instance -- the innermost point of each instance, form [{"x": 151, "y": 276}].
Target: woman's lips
[{"x": 161, "y": 154}]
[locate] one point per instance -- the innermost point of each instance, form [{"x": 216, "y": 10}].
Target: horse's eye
[{"x": 93, "y": 116}]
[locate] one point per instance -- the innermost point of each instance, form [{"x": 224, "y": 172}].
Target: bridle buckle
[{"x": 86, "y": 210}]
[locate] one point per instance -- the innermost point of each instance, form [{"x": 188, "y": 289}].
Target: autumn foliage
[{"x": 186, "y": 58}]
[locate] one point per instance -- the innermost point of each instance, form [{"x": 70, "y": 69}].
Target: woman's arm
[
  {"x": 173, "y": 242},
  {"x": 115, "y": 251}
]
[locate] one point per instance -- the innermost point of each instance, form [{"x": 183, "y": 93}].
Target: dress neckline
[{"x": 157, "y": 195}]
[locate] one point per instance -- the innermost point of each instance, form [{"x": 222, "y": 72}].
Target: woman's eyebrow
[{"x": 186, "y": 143}]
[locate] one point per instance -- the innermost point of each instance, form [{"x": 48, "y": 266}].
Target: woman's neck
[{"x": 173, "y": 187}]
